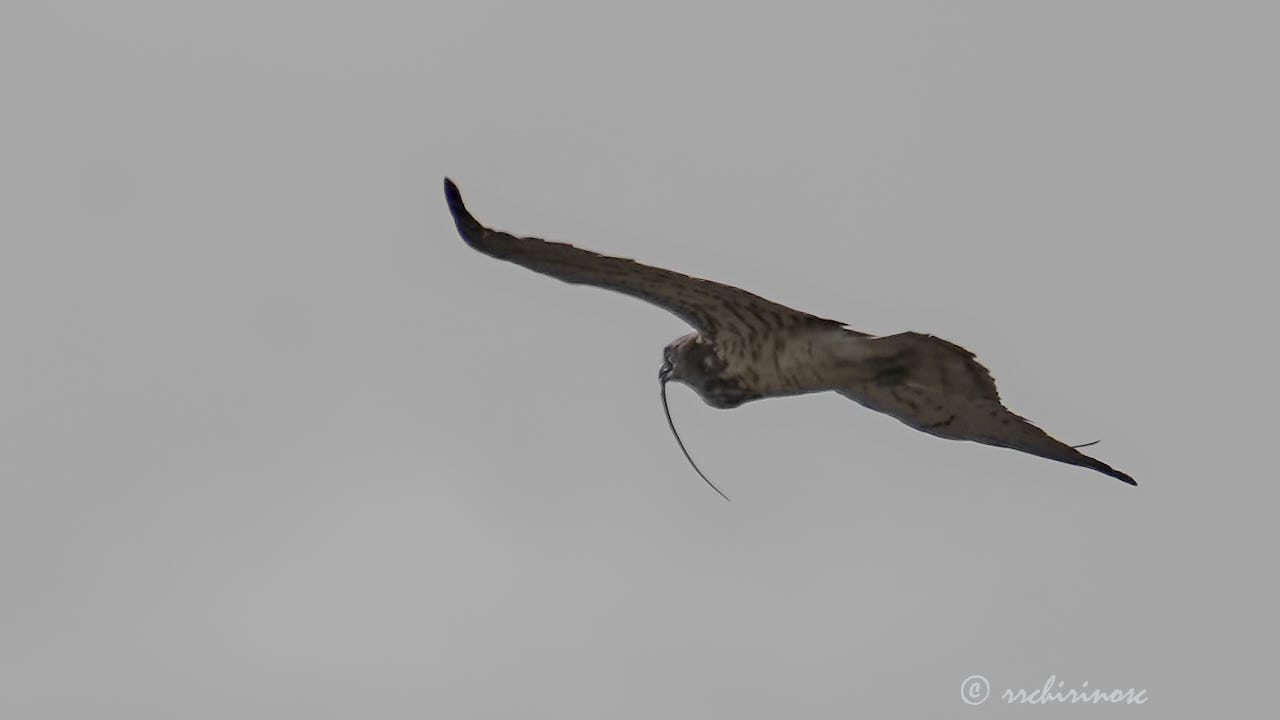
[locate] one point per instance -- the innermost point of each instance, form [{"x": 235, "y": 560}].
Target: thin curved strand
[{"x": 680, "y": 442}]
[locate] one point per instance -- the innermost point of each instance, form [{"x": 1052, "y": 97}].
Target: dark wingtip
[
  {"x": 468, "y": 226},
  {"x": 1107, "y": 469},
  {"x": 1079, "y": 458}
]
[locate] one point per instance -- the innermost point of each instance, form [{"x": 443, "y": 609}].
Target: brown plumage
[{"x": 747, "y": 348}]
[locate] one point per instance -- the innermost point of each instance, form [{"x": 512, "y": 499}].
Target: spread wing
[
  {"x": 938, "y": 387},
  {"x": 712, "y": 308}
]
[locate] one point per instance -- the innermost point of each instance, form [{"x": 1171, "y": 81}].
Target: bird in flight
[{"x": 748, "y": 348}]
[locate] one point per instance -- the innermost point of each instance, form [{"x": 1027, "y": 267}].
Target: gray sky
[{"x": 277, "y": 444}]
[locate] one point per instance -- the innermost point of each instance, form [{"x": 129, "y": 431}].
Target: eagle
[{"x": 747, "y": 348}]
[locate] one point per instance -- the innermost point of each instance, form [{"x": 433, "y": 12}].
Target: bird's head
[{"x": 693, "y": 361}]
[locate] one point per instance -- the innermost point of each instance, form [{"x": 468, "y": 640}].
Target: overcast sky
[{"x": 275, "y": 443}]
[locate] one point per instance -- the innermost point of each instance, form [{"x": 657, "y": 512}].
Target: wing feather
[
  {"x": 940, "y": 388},
  {"x": 712, "y": 308}
]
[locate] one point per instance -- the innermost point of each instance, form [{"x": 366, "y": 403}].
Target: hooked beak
[{"x": 664, "y": 372}]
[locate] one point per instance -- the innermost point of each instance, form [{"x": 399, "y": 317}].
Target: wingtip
[
  {"x": 468, "y": 226},
  {"x": 454, "y": 198},
  {"x": 1122, "y": 477},
  {"x": 1079, "y": 458}
]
